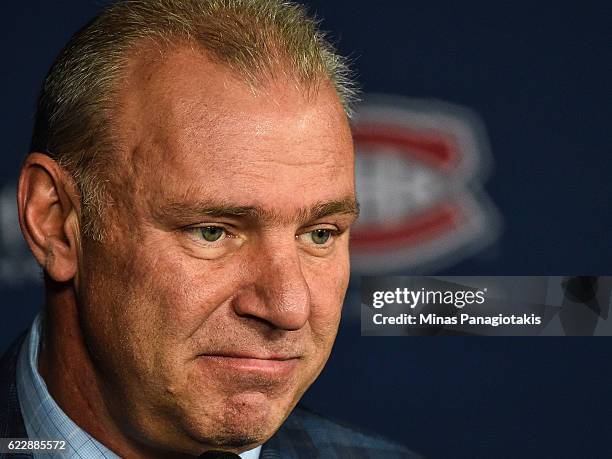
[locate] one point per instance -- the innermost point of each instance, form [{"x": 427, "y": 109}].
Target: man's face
[{"x": 214, "y": 300}]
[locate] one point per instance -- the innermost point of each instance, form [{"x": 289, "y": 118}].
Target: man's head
[{"x": 194, "y": 226}]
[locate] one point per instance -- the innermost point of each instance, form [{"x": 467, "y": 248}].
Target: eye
[
  {"x": 209, "y": 236},
  {"x": 320, "y": 236},
  {"x": 212, "y": 241},
  {"x": 211, "y": 233}
]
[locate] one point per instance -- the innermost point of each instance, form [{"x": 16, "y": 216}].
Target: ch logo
[{"x": 420, "y": 167}]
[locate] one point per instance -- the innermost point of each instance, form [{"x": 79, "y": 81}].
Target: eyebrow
[{"x": 191, "y": 211}]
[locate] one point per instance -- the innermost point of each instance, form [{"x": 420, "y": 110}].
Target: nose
[{"x": 279, "y": 293}]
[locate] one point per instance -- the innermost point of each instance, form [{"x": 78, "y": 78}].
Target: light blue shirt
[{"x": 45, "y": 420}]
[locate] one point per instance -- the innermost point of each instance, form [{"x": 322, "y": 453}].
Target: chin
[{"x": 242, "y": 421}]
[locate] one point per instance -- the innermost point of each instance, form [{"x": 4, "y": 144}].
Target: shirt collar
[{"x": 45, "y": 420}]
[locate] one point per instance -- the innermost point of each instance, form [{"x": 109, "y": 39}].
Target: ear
[{"x": 48, "y": 203}]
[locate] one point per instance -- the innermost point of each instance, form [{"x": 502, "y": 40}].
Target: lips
[
  {"x": 268, "y": 365},
  {"x": 251, "y": 355}
]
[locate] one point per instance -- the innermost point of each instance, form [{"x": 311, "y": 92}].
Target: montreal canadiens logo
[{"x": 419, "y": 169}]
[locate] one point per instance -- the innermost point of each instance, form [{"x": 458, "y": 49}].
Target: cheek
[
  {"x": 327, "y": 280},
  {"x": 152, "y": 301},
  {"x": 182, "y": 292}
]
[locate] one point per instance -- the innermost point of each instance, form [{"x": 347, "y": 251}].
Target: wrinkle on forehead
[
  {"x": 186, "y": 109},
  {"x": 192, "y": 206}
]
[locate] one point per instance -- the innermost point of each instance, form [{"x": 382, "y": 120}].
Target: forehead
[{"x": 189, "y": 124}]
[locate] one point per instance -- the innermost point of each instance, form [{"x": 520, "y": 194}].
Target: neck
[{"x": 72, "y": 380}]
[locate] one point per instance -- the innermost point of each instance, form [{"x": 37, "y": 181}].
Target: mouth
[{"x": 268, "y": 366}]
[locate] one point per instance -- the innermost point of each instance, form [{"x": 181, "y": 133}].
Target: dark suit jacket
[{"x": 304, "y": 435}]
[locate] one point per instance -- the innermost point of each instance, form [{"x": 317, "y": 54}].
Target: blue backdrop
[{"x": 539, "y": 76}]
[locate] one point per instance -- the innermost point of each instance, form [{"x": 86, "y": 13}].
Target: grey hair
[{"x": 254, "y": 38}]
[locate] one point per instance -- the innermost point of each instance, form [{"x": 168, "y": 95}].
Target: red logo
[{"x": 419, "y": 169}]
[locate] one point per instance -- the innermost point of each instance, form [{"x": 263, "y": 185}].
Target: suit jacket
[{"x": 304, "y": 435}]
